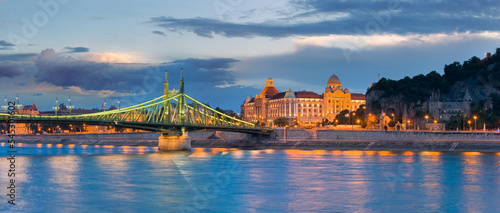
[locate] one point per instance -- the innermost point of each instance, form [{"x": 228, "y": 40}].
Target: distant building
[
  {"x": 24, "y": 128},
  {"x": 29, "y": 110},
  {"x": 444, "y": 109},
  {"x": 302, "y": 107}
]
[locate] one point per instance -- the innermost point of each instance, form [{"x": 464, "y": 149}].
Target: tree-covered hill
[{"x": 420, "y": 87}]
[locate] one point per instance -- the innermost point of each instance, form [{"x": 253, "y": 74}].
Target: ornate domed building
[{"x": 303, "y": 107}]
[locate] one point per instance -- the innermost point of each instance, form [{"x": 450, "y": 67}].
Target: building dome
[
  {"x": 269, "y": 91},
  {"x": 333, "y": 80}
]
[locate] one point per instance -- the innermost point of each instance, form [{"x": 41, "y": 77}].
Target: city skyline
[{"x": 113, "y": 50}]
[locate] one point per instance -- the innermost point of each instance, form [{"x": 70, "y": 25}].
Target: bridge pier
[{"x": 174, "y": 143}]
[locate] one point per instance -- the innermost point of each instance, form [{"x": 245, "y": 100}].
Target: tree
[
  {"x": 281, "y": 122},
  {"x": 343, "y": 117}
]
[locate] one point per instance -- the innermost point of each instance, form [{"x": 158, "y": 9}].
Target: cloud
[
  {"x": 68, "y": 71},
  {"x": 110, "y": 58},
  {"x": 322, "y": 18},
  {"x": 18, "y": 57},
  {"x": 77, "y": 49},
  {"x": 10, "y": 70},
  {"x": 123, "y": 78},
  {"x": 4, "y": 43},
  {"x": 360, "y": 42},
  {"x": 159, "y": 33},
  {"x": 37, "y": 94}
]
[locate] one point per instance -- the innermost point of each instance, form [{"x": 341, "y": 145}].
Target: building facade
[
  {"x": 304, "y": 108},
  {"x": 445, "y": 109}
]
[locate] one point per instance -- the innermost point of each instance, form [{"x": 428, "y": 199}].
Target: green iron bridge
[{"x": 174, "y": 112}]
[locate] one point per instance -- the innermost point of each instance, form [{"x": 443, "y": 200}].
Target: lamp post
[
  {"x": 70, "y": 107},
  {"x": 352, "y": 126},
  {"x": 55, "y": 108},
  {"x": 118, "y": 105},
  {"x": 408, "y": 127},
  {"x": 18, "y": 106},
  {"x": 4, "y": 107},
  {"x": 470, "y": 127},
  {"x": 426, "y": 119},
  {"x": 475, "y": 118}
]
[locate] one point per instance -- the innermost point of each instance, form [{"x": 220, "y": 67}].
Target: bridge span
[{"x": 172, "y": 114}]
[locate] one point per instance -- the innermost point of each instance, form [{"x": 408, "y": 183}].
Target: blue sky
[{"x": 118, "y": 50}]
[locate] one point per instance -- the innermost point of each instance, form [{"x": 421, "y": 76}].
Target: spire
[
  {"x": 165, "y": 86},
  {"x": 181, "y": 90},
  {"x": 467, "y": 96}
]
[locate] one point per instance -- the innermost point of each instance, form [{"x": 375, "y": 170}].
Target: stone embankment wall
[{"x": 389, "y": 136}]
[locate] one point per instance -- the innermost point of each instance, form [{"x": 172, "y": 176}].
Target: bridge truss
[{"x": 169, "y": 113}]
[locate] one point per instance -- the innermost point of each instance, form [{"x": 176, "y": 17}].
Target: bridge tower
[
  {"x": 173, "y": 142},
  {"x": 165, "y": 87}
]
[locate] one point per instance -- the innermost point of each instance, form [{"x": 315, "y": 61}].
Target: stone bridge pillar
[{"x": 174, "y": 143}]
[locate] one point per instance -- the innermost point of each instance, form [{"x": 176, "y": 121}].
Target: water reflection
[{"x": 125, "y": 178}]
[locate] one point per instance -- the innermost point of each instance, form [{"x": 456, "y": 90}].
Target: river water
[{"x": 75, "y": 178}]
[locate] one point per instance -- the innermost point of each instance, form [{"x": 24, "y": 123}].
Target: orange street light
[{"x": 475, "y": 118}]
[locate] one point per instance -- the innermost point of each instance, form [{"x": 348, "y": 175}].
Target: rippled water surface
[{"x": 74, "y": 178}]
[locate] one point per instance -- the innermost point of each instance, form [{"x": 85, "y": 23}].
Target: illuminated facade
[{"x": 303, "y": 107}]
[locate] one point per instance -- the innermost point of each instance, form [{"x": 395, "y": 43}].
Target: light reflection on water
[{"x": 86, "y": 178}]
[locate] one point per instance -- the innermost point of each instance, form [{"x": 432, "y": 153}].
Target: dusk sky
[{"x": 118, "y": 50}]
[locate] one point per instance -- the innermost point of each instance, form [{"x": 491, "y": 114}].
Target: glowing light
[
  {"x": 297, "y": 152},
  {"x": 353, "y": 152},
  {"x": 337, "y": 152},
  {"x": 217, "y": 150},
  {"x": 369, "y": 152},
  {"x": 71, "y": 145},
  {"x": 39, "y": 145},
  {"x": 49, "y": 145},
  {"x": 408, "y": 153},
  {"x": 430, "y": 153},
  {"x": 384, "y": 153},
  {"x": 59, "y": 145},
  {"x": 108, "y": 146},
  {"x": 319, "y": 152},
  {"x": 472, "y": 153}
]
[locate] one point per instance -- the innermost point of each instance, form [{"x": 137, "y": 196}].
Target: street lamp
[
  {"x": 4, "y": 107},
  {"x": 470, "y": 127},
  {"x": 426, "y": 119},
  {"x": 408, "y": 124},
  {"x": 475, "y": 118},
  {"x": 70, "y": 107},
  {"x": 55, "y": 108},
  {"x": 18, "y": 106}
]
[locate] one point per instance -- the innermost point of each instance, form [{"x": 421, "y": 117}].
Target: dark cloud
[
  {"x": 18, "y": 57},
  {"x": 159, "y": 33},
  {"x": 37, "y": 94},
  {"x": 67, "y": 72},
  {"x": 369, "y": 17},
  {"x": 10, "y": 70},
  {"x": 4, "y": 43},
  {"x": 77, "y": 49},
  {"x": 214, "y": 63}
]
